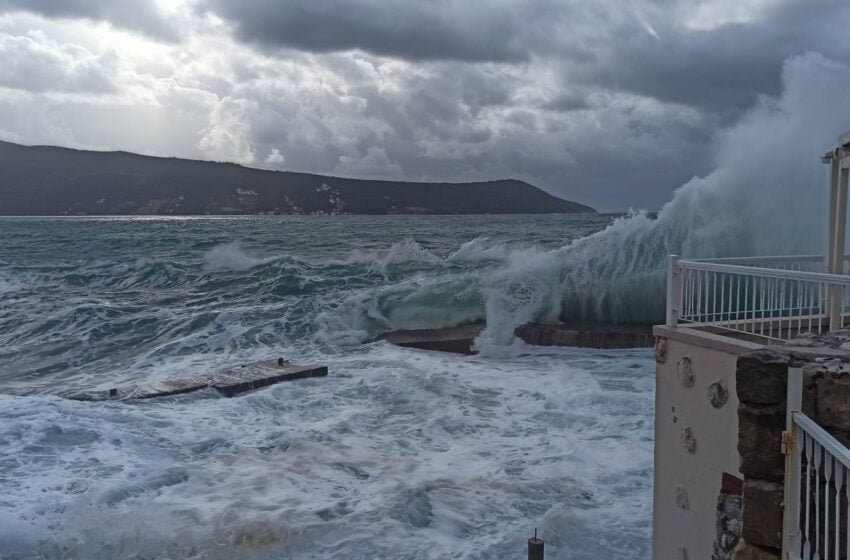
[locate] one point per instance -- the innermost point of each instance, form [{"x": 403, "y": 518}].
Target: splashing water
[
  {"x": 765, "y": 197},
  {"x": 398, "y": 450},
  {"x": 230, "y": 257}
]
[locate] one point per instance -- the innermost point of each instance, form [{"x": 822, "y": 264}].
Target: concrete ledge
[
  {"x": 586, "y": 335},
  {"x": 256, "y": 376},
  {"x": 458, "y": 340},
  {"x": 722, "y": 343},
  {"x": 228, "y": 382}
]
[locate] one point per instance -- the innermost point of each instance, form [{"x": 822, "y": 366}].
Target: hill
[{"x": 46, "y": 180}]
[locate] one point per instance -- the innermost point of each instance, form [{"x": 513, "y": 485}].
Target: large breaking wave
[{"x": 765, "y": 196}]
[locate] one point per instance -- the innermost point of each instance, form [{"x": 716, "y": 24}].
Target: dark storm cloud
[
  {"x": 602, "y": 45},
  {"x": 722, "y": 69},
  {"x": 606, "y": 102},
  {"x": 493, "y": 30},
  {"x": 453, "y": 121},
  {"x": 134, "y": 15}
]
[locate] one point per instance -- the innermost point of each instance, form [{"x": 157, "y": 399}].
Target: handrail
[
  {"x": 778, "y": 258},
  {"x": 765, "y": 297},
  {"x": 816, "y": 493},
  {"x": 839, "y": 279},
  {"x": 827, "y": 441}
]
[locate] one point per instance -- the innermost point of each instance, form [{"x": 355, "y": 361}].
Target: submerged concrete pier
[
  {"x": 458, "y": 340},
  {"x": 228, "y": 382}
]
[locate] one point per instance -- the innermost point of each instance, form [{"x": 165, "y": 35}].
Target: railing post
[
  {"x": 675, "y": 282},
  {"x": 790, "y": 439},
  {"x": 836, "y": 307}
]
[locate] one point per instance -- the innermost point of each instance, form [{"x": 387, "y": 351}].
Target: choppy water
[{"x": 398, "y": 454}]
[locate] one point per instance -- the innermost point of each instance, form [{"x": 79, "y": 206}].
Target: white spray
[{"x": 765, "y": 196}]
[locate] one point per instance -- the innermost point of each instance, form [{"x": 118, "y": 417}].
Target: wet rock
[
  {"x": 728, "y": 526},
  {"x": 833, "y": 402},
  {"x": 763, "y": 513},
  {"x": 760, "y": 442},
  {"x": 746, "y": 551},
  {"x": 761, "y": 377}
]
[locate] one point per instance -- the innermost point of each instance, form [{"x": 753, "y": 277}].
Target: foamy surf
[{"x": 401, "y": 454}]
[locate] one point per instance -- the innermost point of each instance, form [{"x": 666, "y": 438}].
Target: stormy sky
[{"x": 612, "y": 103}]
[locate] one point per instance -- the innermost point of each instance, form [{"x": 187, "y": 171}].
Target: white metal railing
[
  {"x": 816, "y": 518},
  {"x": 777, "y": 298},
  {"x": 802, "y": 263}
]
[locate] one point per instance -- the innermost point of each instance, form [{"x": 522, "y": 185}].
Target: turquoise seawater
[{"x": 397, "y": 454}]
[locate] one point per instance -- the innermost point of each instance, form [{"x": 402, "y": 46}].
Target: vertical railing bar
[
  {"x": 756, "y": 297},
  {"x": 781, "y": 304},
  {"x": 827, "y": 473},
  {"x": 722, "y": 295},
  {"x": 730, "y": 281},
  {"x": 781, "y": 307},
  {"x": 699, "y": 294},
  {"x": 771, "y": 297},
  {"x": 737, "y": 302},
  {"x": 818, "y": 450},
  {"x": 837, "y": 482},
  {"x": 694, "y": 293},
  {"x": 847, "y": 512},
  {"x": 730, "y": 318},
  {"x": 792, "y": 449},
  {"x": 809, "y": 305},
  {"x": 771, "y": 291},
  {"x": 807, "y": 545},
  {"x": 795, "y": 491},
  {"x": 755, "y": 305},
  {"x": 712, "y": 301},
  {"x": 763, "y": 304}
]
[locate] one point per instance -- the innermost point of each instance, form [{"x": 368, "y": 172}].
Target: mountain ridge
[{"x": 55, "y": 180}]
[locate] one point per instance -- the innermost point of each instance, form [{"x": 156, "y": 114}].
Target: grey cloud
[
  {"x": 493, "y": 30},
  {"x": 585, "y": 99},
  {"x": 134, "y": 15},
  {"x": 439, "y": 123},
  {"x": 43, "y": 66},
  {"x": 642, "y": 47},
  {"x": 722, "y": 69},
  {"x": 567, "y": 101}
]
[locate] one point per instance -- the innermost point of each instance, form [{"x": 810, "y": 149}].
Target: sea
[{"x": 397, "y": 454}]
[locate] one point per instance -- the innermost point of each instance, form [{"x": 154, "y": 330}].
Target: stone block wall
[{"x": 761, "y": 381}]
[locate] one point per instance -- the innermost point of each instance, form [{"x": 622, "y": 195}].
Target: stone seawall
[
  {"x": 587, "y": 336},
  {"x": 761, "y": 380},
  {"x": 461, "y": 339}
]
